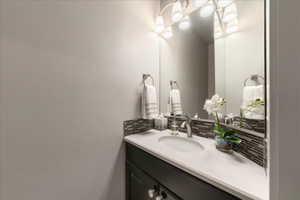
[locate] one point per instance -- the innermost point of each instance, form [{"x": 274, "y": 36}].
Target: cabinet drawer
[{"x": 179, "y": 182}]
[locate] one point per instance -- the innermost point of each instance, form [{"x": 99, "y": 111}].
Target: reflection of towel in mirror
[
  {"x": 149, "y": 102},
  {"x": 175, "y": 102},
  {"x": 250, "y": 94}
]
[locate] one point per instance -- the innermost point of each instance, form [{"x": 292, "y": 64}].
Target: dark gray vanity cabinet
[
  {"x": 140, "y": 186},
  {"x": 147, "y": 174}
]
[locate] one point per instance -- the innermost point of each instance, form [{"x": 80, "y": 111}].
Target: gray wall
[
  {"x": 69, "y": 75},
  {"x": 284, "y": 68},
  {"x": 184, "y": 58}
]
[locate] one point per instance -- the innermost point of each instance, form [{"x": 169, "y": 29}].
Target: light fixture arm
[
  {"x": 162, "y": 10},
  {"x": 219, "y": 16}
]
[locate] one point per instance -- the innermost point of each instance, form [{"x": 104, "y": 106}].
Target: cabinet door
[
  {"x": 138, "y": 184},
  {"x": 167, "y": 195}
]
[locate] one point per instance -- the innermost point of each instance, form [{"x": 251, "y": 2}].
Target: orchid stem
[{"x": 218, "y": 120}]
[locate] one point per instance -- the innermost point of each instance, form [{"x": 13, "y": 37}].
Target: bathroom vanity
[
  {"x": 155, "y": 167},
  {"x": 204, "y": 59},
  {"x": 148, "y": 176}
]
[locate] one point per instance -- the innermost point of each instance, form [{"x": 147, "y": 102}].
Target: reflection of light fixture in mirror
[
  {"x": 232, "y": 29},
  {"x": 218, "y": 32},
  {"x": 232, "y": 26},
  {"x": 167, "y": 34},
  {"x": 199, "y": 3},
  {"x": 159, "y": 24},
  {"x": 177, "y": 12},
  {"x": 207, "y": 10},
  {"x": 224, "y": 3},
  {"x": 230, "y": 13},
  {"x": 185, "y": 23}
]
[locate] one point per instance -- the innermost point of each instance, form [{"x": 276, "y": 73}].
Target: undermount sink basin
[{"x": 181, "y": 144}]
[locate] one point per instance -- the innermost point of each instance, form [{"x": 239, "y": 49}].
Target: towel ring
[
  {"x": 255, "y": 78},
  {"x": 174, "y": 85},
  {"x": 146, "y": 76}
]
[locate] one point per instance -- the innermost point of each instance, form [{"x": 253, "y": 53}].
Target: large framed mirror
[{"x": 216, "y": 51}]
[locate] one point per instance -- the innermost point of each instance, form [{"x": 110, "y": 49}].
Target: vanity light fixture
[
  {"x": 159, "y": 24},
  {"x": 185, "y": 23},
  {"x": 167, "y": 34},
  {"x": 207, "y": 9},
  {"x": 224, "y": 3},
  {"x": 177, "y": 13},
  {"x": 230, "y": 13},
  {"x": 225, "y": 10},
  {"x": 218, "y": 31},
  {"x": 199, "y": 3}
]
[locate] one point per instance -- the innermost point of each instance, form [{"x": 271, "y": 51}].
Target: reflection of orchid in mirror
[
  {"x": 256, "y": 106},
  {"x": 214, "y": 105}
]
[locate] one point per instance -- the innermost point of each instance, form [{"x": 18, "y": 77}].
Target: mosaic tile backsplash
[
  {"x": 253, "y": 144},
  {"x": 137, "y": 126}
]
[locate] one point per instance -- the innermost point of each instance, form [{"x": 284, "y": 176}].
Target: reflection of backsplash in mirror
[{"x": 251, "y": 124}]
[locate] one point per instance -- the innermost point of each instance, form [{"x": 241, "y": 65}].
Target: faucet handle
[{"x": 196, "y": 116}]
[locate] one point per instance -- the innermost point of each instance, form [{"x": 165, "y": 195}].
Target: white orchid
[{"x": 214, "y": 105}]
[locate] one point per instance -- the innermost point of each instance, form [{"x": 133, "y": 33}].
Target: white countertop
[{"x": 230, "y": 172}]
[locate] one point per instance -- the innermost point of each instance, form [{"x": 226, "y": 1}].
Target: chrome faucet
[{"x": 187, "y": 124}]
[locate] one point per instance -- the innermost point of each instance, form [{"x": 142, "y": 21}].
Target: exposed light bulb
[
  {"x": 159, "y": 24},
  {"x": 167, "y": 34},
  {"x": 230, "y": 13},
  {"x": 199, "y": 3},
  {"x": 177, "y": 12},
  {"x": 185, "y": 23},
  {"x": 224, "y": 3},
  {"x": 207, "y": 10}
]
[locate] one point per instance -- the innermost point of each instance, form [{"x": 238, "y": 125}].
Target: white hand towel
[
  {"x": 250, "y": 94},
  {"x": 175, "y": 101},
  {"x": 149, "y": 102}
]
